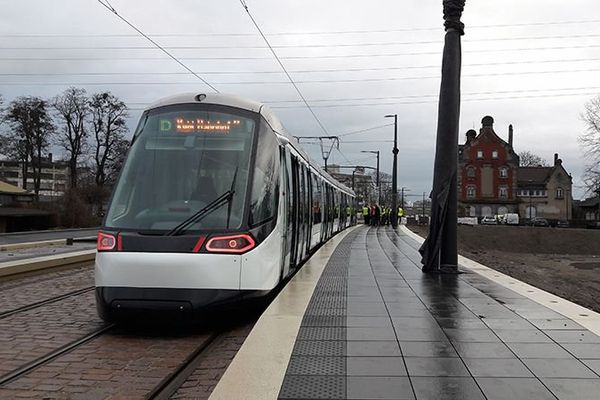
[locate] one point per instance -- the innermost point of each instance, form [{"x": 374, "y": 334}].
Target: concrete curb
[
  {"x": 30, "y": 245},
  {"x": 46, "y": 262}
]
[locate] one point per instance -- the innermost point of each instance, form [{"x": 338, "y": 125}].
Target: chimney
[
  {"x": 487, "y": 122},
  {"x": 50, "y": 158},
  {"x": 557, "y": 161},
  {"x": 510, "y": 135},
  {"x": 471, "y": 135}
]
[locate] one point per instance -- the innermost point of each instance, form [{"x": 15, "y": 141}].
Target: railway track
[
  {"x": 23, "y": 370},
  {"x": 41, "y": 303},
  {"x": 168, "y": 386},
  {"x": 69, "y": 338}
]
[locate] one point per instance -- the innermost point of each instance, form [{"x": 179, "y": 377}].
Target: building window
[
  {"x": 559, "y": 193},
  {"x": 479, "y": 154},
  {"x": 471, "y": 172},
  {"x": 503, "y": 192},
  {"x": 495, "y": 154},
  {"x": 471, "y": 192},
  {"x": 503, "y": 172}
]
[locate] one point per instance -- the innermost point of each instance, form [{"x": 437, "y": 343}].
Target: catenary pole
[{"x": 439, "y": 250}]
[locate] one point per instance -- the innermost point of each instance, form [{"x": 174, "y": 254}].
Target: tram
[{"x": 216, "y": 203}]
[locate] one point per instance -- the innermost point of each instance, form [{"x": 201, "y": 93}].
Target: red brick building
[
  {"x": 491, "y": 182},
  {"x": 487, "y": 174}
]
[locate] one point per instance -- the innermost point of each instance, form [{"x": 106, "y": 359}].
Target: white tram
[{"x": 216, "y": 202}]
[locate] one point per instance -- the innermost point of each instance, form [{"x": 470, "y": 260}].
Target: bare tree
[
  {"x": 32, "y": 129},
  {"x": 72, "y": 107},
  {"x": 590, "y": 142},
  {"x": 529, "y": 159},
  {"x": 108, "y": 115}
]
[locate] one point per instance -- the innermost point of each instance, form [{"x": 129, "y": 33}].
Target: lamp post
[
  {"x": 377, "y": 181},
  {"x": 402, "y": 195},
  {"x": 394, "y": 216}
]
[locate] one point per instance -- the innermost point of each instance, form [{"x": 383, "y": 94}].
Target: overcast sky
[{"x": 530, "y": 63}]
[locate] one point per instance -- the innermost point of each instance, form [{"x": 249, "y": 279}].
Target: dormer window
[
  {"x": 495, "y": 154},
  {"x": 480, "y": 154}
]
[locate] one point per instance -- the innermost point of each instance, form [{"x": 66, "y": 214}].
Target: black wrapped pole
[{"x": 439, "y": 250}]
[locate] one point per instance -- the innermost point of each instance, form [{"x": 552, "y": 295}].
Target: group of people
[{"x": 379, "y": 215}]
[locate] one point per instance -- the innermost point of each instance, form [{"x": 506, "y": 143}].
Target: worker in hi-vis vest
[
  {"x": 400, "y": 214},
  {"x": 365, "y": 212}
]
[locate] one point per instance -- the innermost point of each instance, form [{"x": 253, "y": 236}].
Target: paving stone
[
  {"x": 514, "y": 388},
  {"x": 446, "y": 388}
]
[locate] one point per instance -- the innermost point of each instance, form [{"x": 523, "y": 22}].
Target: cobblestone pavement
[
  {"x": 19, "y": 292},
  {"x": 117, "y": 365},
  {"x": 208, "y": 373},
  {"x": 28, "y": 335},
  {"x": 126, "y": 362}
]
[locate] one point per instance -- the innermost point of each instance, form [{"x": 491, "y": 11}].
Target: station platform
[{"x": 361, "y": 321}]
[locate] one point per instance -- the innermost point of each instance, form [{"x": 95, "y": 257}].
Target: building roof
[
  {"x": 7, "y": 188},
  {"x": 590, "y": 202},
  {"x": 533, "y": 175}
]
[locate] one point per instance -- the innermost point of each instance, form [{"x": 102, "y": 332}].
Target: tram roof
[{"x": 250, "y": 105}]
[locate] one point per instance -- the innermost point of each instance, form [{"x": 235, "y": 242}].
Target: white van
[{"x": 511, "y": 219}]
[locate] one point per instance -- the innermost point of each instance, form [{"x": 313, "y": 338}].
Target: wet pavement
[{"x": 378, "y": 328}]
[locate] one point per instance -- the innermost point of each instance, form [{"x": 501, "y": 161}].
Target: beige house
[{"x": 545, "y": 192}]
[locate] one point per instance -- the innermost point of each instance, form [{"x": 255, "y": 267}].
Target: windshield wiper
[
  {"x": 200, "y": 214},
  {"x": 230, "y": 198}
]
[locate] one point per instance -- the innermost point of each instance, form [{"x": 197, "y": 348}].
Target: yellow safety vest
[
  {"x": 365, "y": 210},
  {"x": 400, "y": 212}
]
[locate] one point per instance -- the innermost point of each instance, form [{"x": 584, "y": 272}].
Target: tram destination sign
[{"x": 197, "y": 125}]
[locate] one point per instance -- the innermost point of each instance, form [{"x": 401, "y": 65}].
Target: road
[{"x": 24, "y": 237}]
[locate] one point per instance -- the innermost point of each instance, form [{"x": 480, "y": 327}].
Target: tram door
[
  {"x": 294, "y": 195},
  {"x": 301, "y": 213},
  {"x": 288, "y": 210}
]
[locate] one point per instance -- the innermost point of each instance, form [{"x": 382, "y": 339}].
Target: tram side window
[
  {"x": 316, "y": 198},
  {"x": 265, "y": 183}
]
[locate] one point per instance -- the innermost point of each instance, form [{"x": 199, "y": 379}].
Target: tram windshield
[{"x": 182, "y": 159}]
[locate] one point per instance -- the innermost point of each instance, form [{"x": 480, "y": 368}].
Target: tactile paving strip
[
  {"x": 323, "y": 320},
  {"x": 319, "y": 348},
  {"x": 313, "y": 387},
  {"x": 317, "y": 367}
]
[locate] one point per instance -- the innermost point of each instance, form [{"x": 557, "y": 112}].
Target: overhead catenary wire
[
  {"x": 110, "y": 8},
  {"x": 303, "y": 71},
  {"x": 315, "y": 57},
  {"x": 289, "y": 46},
  {"x": 408, "y": 29},
  {"x": 314, "y": 81},
  {"x": 245, "y": 6}
]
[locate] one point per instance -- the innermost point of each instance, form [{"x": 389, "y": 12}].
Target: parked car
[
  {"x": 562, "y": 223},
  {"x": 489, "y": 221},
  {"x": 537, "y": 221},
  {"x": 593, "y": 225}
]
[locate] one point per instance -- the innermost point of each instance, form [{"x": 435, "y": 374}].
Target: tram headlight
[{"x": 236, "y": 244}]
